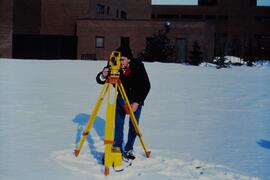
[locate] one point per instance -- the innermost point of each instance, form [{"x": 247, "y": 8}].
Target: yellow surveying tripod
[{"x": 112, "y": 156}]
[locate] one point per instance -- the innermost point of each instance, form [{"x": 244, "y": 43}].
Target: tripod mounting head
[{"x": 114, "y": 63}]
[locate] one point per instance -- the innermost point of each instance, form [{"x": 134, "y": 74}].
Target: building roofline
[{"x": 145, "y": 20}]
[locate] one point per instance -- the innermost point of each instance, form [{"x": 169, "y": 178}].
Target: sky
[
  {"x": 182, "y": 2},
  {"x": 194, "y": 2}
]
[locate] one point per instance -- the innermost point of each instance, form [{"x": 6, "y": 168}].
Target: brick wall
[
  {"x": 138, "y": 31},
  {"x": 139, "y": 9},
  {"x": 6, "y": 28},
  {"x": 26, "y": 16},
  {"x": 59, "y": 16}
]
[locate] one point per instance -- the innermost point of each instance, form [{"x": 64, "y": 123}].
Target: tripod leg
[
  {"x": 133, "y": 119},
  {"x": 110, "y": 116},
  {"x": 111, "y": 157},
  {"x": 91, "y": 119}
]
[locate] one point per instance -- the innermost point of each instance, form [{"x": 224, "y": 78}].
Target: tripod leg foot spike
[
  {"x": 106, "y": 171},
  {"x": 148, "y": 154},
  {"x": 76, "y": 152}
]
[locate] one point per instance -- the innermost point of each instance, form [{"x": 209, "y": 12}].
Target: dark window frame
[
  {"x": 100, "y": 9},
  {"x": 100, "y": 44},
  {"x": 123, "y": 14}
]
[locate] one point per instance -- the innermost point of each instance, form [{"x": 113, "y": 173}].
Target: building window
[
  {"x": 123, "y": 14},
  {"x": 223, "y": 17},
  {"x": 108, "y": 10},
  {"x": 210, "y": 17},
  {"x": 117, "y": 13},
  {"x": 221, "y": 39},
  {"x": 263, "y": 18},
  {"x": 100, "y": 9},
  {"x": 189, "y": 16},
  {"x": 168, "y": 16},
  {"x": 99, "y": 42},
  {"x": 181, "y": 49},
  {"x": 207, "y": 2},
  {"x": 88, "y": 57},
  {"x": 124, "y": 41}
]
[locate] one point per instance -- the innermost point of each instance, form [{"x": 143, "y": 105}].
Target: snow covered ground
[{"x": 199, "y": 122}]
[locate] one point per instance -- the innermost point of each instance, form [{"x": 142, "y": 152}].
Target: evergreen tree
[
  {"x": 196, "y": 54},
  {"x": 157, "y": 48},
  {"x": 221, "y": 62}
]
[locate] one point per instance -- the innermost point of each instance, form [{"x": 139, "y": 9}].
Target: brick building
[
  {"x": 91, "y": 29},
  {"x": 6, "y": 28}
]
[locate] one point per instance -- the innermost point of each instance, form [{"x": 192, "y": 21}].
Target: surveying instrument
[{"x": 113, "y": 85}]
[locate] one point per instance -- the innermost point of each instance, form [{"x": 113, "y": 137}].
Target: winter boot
[{"x": 129, "y": 155}]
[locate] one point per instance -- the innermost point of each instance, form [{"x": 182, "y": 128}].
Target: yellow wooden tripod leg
[
  {"x": 91, "y": 119},
  {"x": 133, "y": 120},
  {"x": 111, "y": 157},
  {"x": 108, "y": 136}
]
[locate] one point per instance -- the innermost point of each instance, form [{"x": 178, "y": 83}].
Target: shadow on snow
[
  {"x": 264, "y": 144},
  {"x": 99, "y": 126}
]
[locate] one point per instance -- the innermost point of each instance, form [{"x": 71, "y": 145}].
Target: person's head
[
  {"x": 126, "y": 56},
  {"x": 124, "y": 62}
]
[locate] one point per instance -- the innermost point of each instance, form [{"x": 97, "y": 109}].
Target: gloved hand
[
  {"x": 134, "y": 107},
  {"x": 105, "y": 72}
]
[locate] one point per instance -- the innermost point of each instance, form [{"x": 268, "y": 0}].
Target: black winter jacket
[{"x": 136, "y": 84}]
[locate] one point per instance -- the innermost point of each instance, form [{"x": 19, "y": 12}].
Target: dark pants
[{"x": 119, "y": 125}]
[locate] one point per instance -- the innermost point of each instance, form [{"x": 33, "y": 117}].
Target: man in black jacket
[{"x": 137, "y": 85}]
